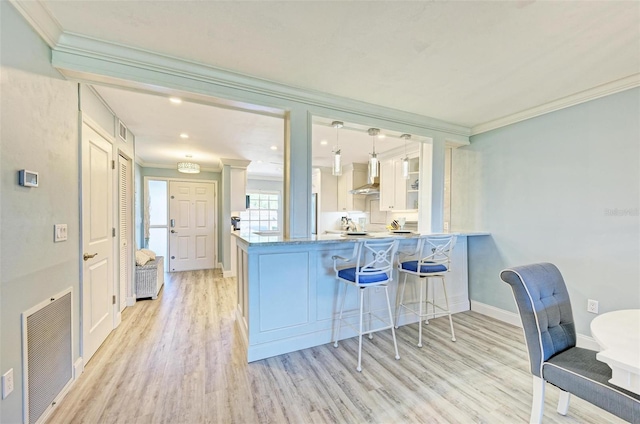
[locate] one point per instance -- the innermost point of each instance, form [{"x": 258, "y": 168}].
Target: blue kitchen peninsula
[{"x": 287, "y": 291}]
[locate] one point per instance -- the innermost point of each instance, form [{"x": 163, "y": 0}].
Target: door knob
[
  {"x": 174, "y": 232},
  {"x": 88, "y": 256}
]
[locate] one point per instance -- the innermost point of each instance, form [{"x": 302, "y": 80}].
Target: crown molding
[
  {"x": 234, "y": 163},
  {"x": 78, "y": 56},
  {"x": 41, "y": 20},
  {"x": 603, "y": 90}
]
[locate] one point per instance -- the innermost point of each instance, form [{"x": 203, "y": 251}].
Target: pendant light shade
[
  {"x": 405, "y": 161},
  {"x": 188, "y": 168},
  {"x": 405, "y": 168},
  {"x": 373, "y": 156},
  {"x": 337, "y": 156}
]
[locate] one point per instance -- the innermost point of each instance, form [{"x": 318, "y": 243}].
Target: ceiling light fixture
[
  {"x": 274, "y": 147},
  {"x": 373, "y": 156},
  {"x": 175, "y": 100},
  {"x": 324, "y": 142},
  {"x": 405, "y": 161},
  {"x": 337, "y": 155},
  {"x": 188, "y": 168},
  {"x": 184, "y": 135}
]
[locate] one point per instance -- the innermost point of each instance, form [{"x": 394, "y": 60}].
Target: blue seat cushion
[
  {"x": 349, "y": 274},
  {"x": 424, "y": 269},
  {"x": 576, "y": 370}
]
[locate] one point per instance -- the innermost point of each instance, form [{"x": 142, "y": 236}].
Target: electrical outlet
[
  {"x": 592, "y": 306},
  {"x": 59, "y": 232},
  {"x": 7, "y": 383}
]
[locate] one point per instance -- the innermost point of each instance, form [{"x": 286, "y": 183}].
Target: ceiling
[{"x": 467, "y": 63}]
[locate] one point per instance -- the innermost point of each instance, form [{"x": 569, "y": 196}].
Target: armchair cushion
[
  {"x": 577, "y": 371},
  {"x": 424, "y": 269}
]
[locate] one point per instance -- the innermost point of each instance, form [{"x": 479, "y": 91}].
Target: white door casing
[
  {"x": 125, "y": 230},
  {"x": 97, "y": 240},
  {"x": 192, "y": 230}
]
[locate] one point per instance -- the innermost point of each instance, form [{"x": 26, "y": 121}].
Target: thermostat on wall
[{"x": 28, "y": 178}]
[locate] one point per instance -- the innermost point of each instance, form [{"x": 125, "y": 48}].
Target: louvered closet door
[{"x": 124, "y": 195}]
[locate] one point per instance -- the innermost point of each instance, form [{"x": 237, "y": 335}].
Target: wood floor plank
[{"x": 181, "y": 359}]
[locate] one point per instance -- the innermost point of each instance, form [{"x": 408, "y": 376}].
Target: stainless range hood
[{"x": 366, "y": 189}]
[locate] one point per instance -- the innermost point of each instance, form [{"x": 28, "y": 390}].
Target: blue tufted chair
[{"x": 545, "y": 309}]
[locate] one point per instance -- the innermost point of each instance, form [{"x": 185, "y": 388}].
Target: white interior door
[
  {"x": 192, "y": 227},
  {"x": 126, "y": 230},
  {"x": 97, "y": 240}
]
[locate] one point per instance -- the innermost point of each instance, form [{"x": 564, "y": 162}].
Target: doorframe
[
  {"x": 83, "y": 118},
  {"x": 187, "y": 180}
]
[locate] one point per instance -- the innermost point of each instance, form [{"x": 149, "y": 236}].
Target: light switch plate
[{"x": 59, "y": 232}]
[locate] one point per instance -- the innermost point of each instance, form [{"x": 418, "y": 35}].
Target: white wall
[
  {"x": 544, "y": 188},
  {"x": 39, "y": 132}
]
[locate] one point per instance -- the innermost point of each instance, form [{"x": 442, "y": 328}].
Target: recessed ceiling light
[
  {"x": 381, "y": 135},
  {"x": 184, "y": 135},
  {"x": 274, "y": 147},
  {"x": 175, "y": 100},
  {"x": 324, "y": 142},
  {"x": 259, "y": 161}
]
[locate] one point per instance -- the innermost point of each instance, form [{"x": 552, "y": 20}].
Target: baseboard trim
[
  {"x": 131, "y": 301},
  {"x": 78, "y": 368},
  {"x": 497, "y": 313},
  {"x": 229, "y": 273},
  {"x": 512, "y": 318},
  {"x": 587, "y": 342}
]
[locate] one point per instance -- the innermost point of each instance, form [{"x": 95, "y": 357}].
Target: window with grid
[{"x": 262, "y": 214}]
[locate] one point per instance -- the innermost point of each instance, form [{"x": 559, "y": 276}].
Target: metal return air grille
[{"x": 48, "y": 354}]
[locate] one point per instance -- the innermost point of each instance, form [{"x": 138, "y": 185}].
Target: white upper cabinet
[
  {"x": 353, "y": 176},
  {"x": 326, "y": 185},
  {"x": 397, "y": 192},
  {"x": 238, "y": 189}
]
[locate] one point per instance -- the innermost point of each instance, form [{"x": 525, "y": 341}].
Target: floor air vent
[{"x": 47, "y": 350}]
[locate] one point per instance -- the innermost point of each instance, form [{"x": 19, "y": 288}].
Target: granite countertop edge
[{"x": 278, "y": 240}]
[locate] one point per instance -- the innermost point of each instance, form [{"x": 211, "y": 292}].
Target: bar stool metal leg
[
  {"x": 359, "y": 368},
  {"x": 400, "y": 303},
  {"x": 393, "y": 331},
  {"x": 337, "y": 334},
  {"x": 446, "y": 301},
  {"x": 421, "y": 298}
]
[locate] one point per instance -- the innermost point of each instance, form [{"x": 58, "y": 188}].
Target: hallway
[{"x": 179, "y": 359}]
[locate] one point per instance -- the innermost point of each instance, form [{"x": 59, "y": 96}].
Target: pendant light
[
  {"x": 373, "y": 156},
  {"x": 405, "y": 161},
  {"x": 337, "y": 156}
]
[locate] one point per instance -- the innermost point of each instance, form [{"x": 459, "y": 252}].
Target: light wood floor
[{"x": 180, "y": 359}]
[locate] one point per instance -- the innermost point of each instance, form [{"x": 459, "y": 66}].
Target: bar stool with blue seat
[
  {"x": 370, "y": 266},
  {"x": 431, "y": 259}
]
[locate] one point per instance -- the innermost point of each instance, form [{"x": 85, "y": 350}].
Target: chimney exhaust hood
[{"x": 366, "y": 189}]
